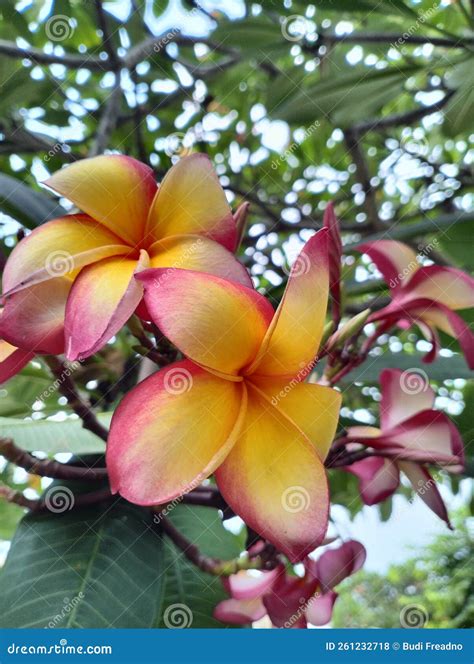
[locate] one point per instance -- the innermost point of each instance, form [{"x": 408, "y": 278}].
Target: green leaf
[
  {"x": 338, "y": 97},
  {"x": 27, "y": 206},
  {"x": 53, "y": 437},
  {"x": 442, "y": 369},
  {"x": 457, "y": 245},
  {"x": 187, "y": 585},
  {"x": 9, "y": 516},
  {"x": 92, "y": 568}
]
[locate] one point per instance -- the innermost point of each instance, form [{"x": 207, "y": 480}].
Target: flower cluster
[
  {"x": 291, "y": 601},
  {"x": 236, "y": 406}
]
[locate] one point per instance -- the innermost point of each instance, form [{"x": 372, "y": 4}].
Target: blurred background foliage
[{"x": 368, "y": 104}]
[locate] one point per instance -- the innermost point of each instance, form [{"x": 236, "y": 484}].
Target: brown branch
[
  {"x": 108, "y": 121},
  {"x": 352, "y": 140},
  {"x": 48, "y": 467},
  {"x": 388, "y": 38},
  {"x": 17, "y": 498},
  {"x": 68, "y": 389},
  {"x": 106, "y": 36},
  {"x": 213, "y": 566},
  {"x": 11, "y": 50},
  {"x": 402, "y": 119}
]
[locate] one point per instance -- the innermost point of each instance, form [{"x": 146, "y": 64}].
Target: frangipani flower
[
  {"x": 427, "y": 296},
  {"x": 129, "y": 224},
  {"x": 413, "y": 434},
  {"x": 291, "y": 601},
  {"x": 237, "y": 406}
]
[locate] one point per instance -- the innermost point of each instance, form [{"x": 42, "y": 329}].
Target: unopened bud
[{"x": 348, "y": 330}]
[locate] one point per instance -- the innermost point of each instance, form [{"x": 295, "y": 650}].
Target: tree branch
[
  {"x": 48, "y": 467},
  {"x": 210, "y": 565},
  {"x": 68, "y": 389},
  {"x": 11, "y": 50}
]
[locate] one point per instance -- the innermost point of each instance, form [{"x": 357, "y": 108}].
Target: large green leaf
[
  {"x": 27, "y": 206},
  {"x": 196, "y": 592},
  {"x": 91, "y": 568},
  {"x": 52, "y": 437}
]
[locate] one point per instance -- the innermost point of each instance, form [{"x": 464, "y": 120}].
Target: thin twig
[
  {"x": 210, "y": 565},
  {"x": 48, "y": 467},
  {"x": 68, "y": 389}
]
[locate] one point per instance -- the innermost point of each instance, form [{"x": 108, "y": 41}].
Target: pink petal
[
  {"x": 248, "y": 586},
  {"x": 378, "y": 478},
  {"x": 395, "y": 260},
  {"x": 12, "y": 360},
  {"x": 239, "y": 612},
  {"x": 426, "y": 488},
  {"x": 102, "y": 299},
  {"x": 404, "y": 394},
  {"x": 337, "y": 564},
  {"x": 319, "y": 611}
]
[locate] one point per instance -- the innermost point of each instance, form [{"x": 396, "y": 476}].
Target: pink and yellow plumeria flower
[
  {"x": 237, "y": 406},
  {"x": 413, "y": 434},
  {"x": 129, "y": 224},
  {"x": 291, "y": 601},
  {"x": 425, "y": 295}
]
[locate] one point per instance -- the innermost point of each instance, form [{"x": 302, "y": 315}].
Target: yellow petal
[
  {"x": 274, "y": 479},
  {"x": 196, "y": 252},
  {"x": 115, "y": 190},
  {"x": 171, "y": 432},
  {"x": 57, "y": 248},
  {"x": 191, "y": 200},
  {"x": 314, "y": 409},
  {"x": 293, "y": 338},
  {"x": 216, "y": 323},
  {"x": 103, "y": 298}
]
